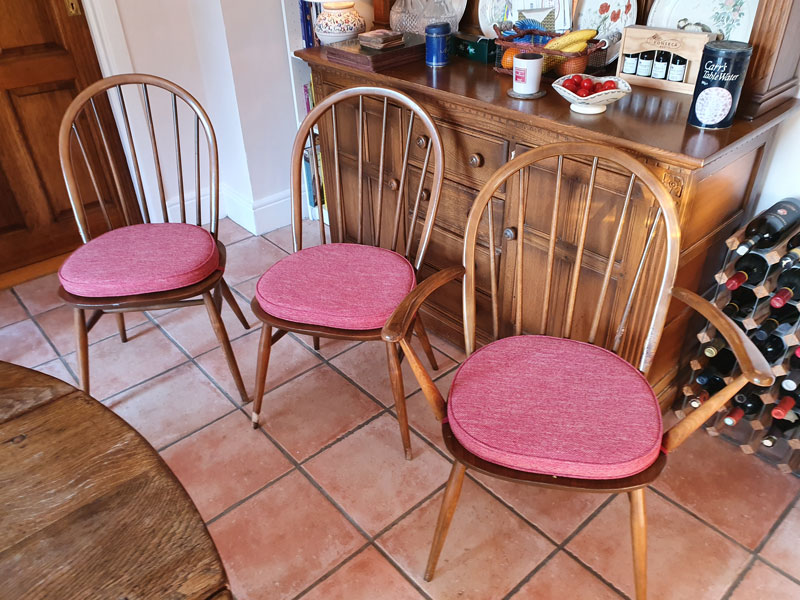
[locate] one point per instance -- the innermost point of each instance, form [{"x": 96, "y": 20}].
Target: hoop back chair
[
  {"x": 347, "y": 290},
  {"x": 142, "y": 257},
  {"x": 559, "y": 397}
]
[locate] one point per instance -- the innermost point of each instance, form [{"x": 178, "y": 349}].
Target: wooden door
[{"x": 46, "y": 58}]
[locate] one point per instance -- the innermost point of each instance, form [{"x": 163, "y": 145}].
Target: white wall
[
  {"x": 783, "y": 166},
  {"x": 231, "y": 55}
]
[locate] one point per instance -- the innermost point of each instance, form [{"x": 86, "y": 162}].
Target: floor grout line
[
  {"x": 754, "y": 555},
  {"x": 740, "y": 577}
]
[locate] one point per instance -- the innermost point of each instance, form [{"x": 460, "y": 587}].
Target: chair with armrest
[
  {"x": 347, "y": 290},
  {"x": 131, "y": 260},
  {"x": 568, "y": 406}
]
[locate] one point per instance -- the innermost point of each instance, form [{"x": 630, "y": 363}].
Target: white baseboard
[{"x": 261, "y": 216}]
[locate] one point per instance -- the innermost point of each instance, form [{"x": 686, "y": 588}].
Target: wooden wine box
[{"x": 688, "y": 44}]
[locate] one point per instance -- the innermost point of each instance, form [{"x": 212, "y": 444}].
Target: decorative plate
[
  {"x": 491, "y": 12},
  {"x": 732, "y": 18},
  {"x": 609, "y": 18}
]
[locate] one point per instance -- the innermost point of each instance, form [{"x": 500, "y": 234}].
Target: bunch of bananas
[{"x": 575, "y": 41}]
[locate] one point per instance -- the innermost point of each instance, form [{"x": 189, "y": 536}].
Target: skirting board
[{"x": 261, "y": 216}]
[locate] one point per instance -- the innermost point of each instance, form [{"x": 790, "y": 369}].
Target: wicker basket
[{"x": 555, "y": 61}]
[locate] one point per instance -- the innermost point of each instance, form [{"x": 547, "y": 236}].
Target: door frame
[{"x": 108, "y": 35}]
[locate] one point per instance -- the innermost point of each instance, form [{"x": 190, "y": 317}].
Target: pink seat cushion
[
  {"x": 345, "y": 286},
  {"x": 140, "y": 259},
  {"x": 557, "y": 407}
]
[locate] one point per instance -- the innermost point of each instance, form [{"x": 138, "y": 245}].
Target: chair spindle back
[
  {"x": 612, "y": 258},
  {"x": 133, "y": 100},
  {"x": 373, "y": 116}
]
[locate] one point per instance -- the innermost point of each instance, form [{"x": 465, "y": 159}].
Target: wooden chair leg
[
  {"x": 639, "y": 538},
  {"x": 396, "y": 377},
  {"x": 82, "y": 347},
  {"x": 419, "y": 329},
  {"x": 316, "y": 343},
  {"x": 232, "y": 302},
  {"x": 449, "y": 502},
  {"x": 121, "y": 327},
  {"x": 225, "y": 342},
  {"x": 264, "y": 347}
]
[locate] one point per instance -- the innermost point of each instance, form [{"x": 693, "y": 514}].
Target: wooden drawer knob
[
  {"x": 476, "y": 160},
  {"x": 510, "y": 233},
  {"x": 424, "y": 195},
  {"x": 422, "y": 141},
  {"x": 393, "y": 184}
]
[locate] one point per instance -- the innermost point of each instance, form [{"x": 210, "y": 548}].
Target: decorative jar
[{"x": 339, "y": 21}]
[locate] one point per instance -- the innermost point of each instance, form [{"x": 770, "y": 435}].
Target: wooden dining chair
[
  {"x": 133, "y": 260},
  {"x": 347, "y": 290},
  {"x": 559, "y": 398}
]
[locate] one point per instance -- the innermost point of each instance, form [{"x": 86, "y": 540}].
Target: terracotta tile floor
[{"x": 320, "y": 504}]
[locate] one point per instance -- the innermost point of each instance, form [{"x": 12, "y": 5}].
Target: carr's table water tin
[
  {"x": 719, "y": 84},
  {"x": 437, "y": 36}
]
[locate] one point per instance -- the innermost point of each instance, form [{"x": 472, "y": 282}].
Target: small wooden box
[{"x": 689, "y": 45}]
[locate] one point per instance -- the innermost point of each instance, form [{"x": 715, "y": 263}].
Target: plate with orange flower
[{"x": 609, "y": 17}]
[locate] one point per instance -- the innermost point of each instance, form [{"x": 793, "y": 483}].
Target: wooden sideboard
[{"x": 714, "y": 176}]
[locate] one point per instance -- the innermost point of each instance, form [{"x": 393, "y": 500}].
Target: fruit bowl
[{"x": 595, "y": 103}]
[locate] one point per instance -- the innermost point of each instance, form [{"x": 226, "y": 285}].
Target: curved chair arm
[
  {"x": 755, "y": 368},
  {"x": 401, "y": 320}
]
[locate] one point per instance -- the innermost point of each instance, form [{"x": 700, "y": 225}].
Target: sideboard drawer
[{"x": 470, "y": 157}]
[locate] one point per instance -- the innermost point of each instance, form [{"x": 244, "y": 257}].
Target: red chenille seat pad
[
  {"x": 555, "y": 406},
  {"x": 140, "y": 259},
  {"x": 345, "y": 286}
]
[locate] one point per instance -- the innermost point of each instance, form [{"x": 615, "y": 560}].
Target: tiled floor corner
[{"x": 320, "y": 504}]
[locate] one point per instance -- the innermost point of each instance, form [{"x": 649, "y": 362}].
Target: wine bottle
[
  {"x": 785, "y": 406},
  {"x": 776, "y": 318},
  {"x": 788, "y": 285},
  {"x": 706, "y": 391},
  {"x": 794, "y": 359},
  {"x": 791, "y": 381},
  {"x": 747, "y": 405},
  {"x": 765, "y": 230},
  {"x": 710, "y": 349},
  {"x": 792, "y": 256},
  {"x": 741, "y": 303},
  {"x": 780, "y": 429},
  {"x": 750, "y": 268},
  {"x": 772, "y": 348}
]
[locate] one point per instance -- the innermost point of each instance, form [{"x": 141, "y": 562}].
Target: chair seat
[
  {"x": 555, "y": 406},
  {"x": 140, "y": 259},
  {"x": 344, "y": 286}
]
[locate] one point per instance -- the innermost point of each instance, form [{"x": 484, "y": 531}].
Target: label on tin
[
  {"x": 718, "y": 71},
  {"x": 713, "y": 105},
  {"x": 520, "y": 75}
]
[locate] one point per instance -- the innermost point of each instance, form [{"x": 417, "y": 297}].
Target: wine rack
[{"x": 750, "y": 432}]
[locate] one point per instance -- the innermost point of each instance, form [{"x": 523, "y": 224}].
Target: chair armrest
[
  {"x": 396, "y": 328},
  {"x": 754, "y": 366}
]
